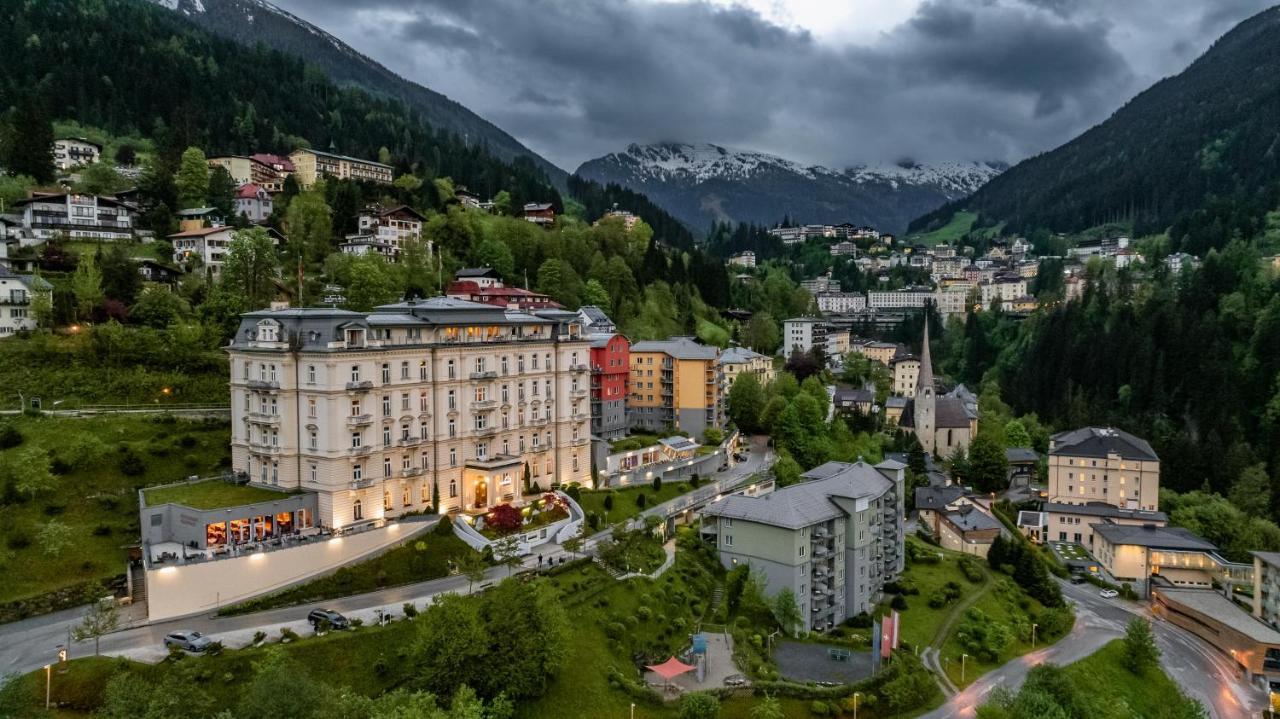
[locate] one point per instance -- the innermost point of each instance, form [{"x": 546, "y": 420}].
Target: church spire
[{"x": 925, "y": 379}]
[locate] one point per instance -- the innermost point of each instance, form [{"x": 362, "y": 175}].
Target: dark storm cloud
[{"x": 960, "y": 79}]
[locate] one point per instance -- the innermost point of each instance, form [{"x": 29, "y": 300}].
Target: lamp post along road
[
  {"x": 855, "y": 704},
  {"x": 1033, "y": 634},
  {"x": 963, "y": 657}
]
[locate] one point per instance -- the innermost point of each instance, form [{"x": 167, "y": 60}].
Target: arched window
[
  {"x": 453, "y": 488},
  {"x": 357, "y": 511},
  {"x": 386, "y": 500}
]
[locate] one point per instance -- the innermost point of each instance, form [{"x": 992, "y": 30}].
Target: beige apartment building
[
  {"x": 1103, "y": 464},
  {"x": 740, "y": 360},
  {"x": 310, "y": 165},
  {"x": 373, "y": 412},
  {"x": 906, "y": 371}
]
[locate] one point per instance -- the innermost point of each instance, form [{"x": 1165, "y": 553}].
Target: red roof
[
  {"x": 248, "y": 191},
  {"x": 285, "y": 163},
  {"x": 201, "y": 232},
  {"x": 501, "y": 296}
]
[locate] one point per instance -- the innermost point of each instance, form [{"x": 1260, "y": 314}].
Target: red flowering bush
[{"x": 504, "y": 519}]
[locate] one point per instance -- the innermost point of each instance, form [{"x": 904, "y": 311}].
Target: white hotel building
[{"x": 373, "y": 412}]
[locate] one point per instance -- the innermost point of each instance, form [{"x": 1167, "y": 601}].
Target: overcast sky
[{"x": 832, "y": 82}]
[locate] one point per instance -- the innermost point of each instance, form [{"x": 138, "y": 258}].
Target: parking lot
[{"x": 804, "y": 662}]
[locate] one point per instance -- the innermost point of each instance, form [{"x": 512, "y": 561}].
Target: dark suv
[{"x": 336, "y": 621}]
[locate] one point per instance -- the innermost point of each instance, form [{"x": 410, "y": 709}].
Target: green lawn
[
  {"x": 636, "y": 441},
  {"x": 1103, "y": 674},
  {"x": 624, "y": 500},
  {"x": 210, "y": 494},
  {"x": 921, "y": 622},
  {"x": 97, "y": 464},
  {"x": 423, "y": 558},
  {"x": 960, "y": 223}
]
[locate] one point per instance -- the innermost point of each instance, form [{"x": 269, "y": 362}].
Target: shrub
[
  {"x": 699, "y": 705},
  {"x": 410, "y": 610},
  {"x": 215, "y": 648},
  {"x": 186, "y": 441},
  {"x": 819, "y": 708},
  {"x": 131, "y": 465},
  {"x": 608, "y": 502},
  {"x": 899, "y": 602},
  {"x": 443, "y": 528},
  {"x": 10, "y": 437},
  {"x": 644, "y": 613},
  {"x": 641, "y": 500},
  {"x": 259, "y": 637},
  {"x": 695, "y": 480},
  {"x": 969, "y": 567},
  {"x": 287, "y": 634},
  {"x": 657, "y": 484}
]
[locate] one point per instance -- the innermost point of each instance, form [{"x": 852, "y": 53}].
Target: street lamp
[
  {"x": 633, "y": 710},
  {"x": 855, "y": 704},
  {"x": 963, "y": 657},
  {"x": 48, "y": 681},
  {"x": 1033, "y": 634}
]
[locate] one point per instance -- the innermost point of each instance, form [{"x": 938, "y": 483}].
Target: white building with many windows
[
  {"x": 378, "y": 412},
  {"x": 841, "y": 302},
  {"x": 16, "y": 294}
]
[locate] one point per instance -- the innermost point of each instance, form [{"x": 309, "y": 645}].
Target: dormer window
[
  {"x": 355, "y": 338},
  {"x": 268, "y": 331}
]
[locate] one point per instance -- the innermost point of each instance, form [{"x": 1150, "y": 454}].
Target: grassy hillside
[{"x": 94, "y": 467}]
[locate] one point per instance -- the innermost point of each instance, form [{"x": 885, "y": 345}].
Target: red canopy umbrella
[{"x": 670, "y": 669}]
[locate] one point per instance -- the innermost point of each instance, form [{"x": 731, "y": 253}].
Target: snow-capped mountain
[
  {"x": 702, "y": 183},
  {"x": 257, "y": 21}
]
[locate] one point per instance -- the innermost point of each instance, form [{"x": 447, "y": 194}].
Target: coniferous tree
[{"x": 28, "y": 140}]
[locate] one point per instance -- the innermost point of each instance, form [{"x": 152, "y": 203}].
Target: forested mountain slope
[
  {"x": 1198, "y": 152},
  {"x": 250, "y": 22},
  {"x": 129, "y": 66}
]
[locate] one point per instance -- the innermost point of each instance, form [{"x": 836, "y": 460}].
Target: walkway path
[
  {"x": 670, "y": 549},
  {"x": 931, "y": 654},
  {"x": 30, "y": 644}
]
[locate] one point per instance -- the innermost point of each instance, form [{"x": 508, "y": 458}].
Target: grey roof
[
  {"x": 601, "y": 339},
  {"x": 1021, "y": 454},
  {"x": 594, "y": 315},
  {"x": 896, "y": 402},
  {"x": 935, "y": 498},
  {"x": 1217, "y": 607},
  {"x": 1149, "y": 535},
  {"x": 678, "y": 443},
  {"x": 476, "y": 272},
  {"x": 852, "y": 396},
  {"x": 1102, "y": 509},
  {"x": 1027, "y": 518},
  {"x": 737, "y": 355},
  {"x": 971, "y": 519},
  {"x": 809, "y": 502},
  {"x": 1272, "y": 558},
  {"x": 1101, "y": 441},
  {"x": 678, "y": 347}
]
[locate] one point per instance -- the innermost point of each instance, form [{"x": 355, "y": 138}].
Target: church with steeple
[{"x": 942, "y": 423}]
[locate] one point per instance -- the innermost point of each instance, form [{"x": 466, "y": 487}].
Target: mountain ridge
[
  {"x": 702, "y": 183},
  {"x": 257, "y": 21},
  {"x": 1197, "y": 153}
]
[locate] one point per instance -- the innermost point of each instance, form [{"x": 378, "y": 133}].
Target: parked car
[
  {"x": 1108, "y": 594},
  {"x": 741, "y": 457},
  {"x": 187, "y": 640},
  {"x": 336, "y": 620},
  {"x": 1077, "y": 579}
]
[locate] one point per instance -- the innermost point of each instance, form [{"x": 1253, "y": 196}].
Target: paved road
[
  {"x": 1198, "y": 668},
  {"x": 30, "y": 644}
]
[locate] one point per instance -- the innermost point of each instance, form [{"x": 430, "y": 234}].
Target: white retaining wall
[{"x": 183, "y": 590}]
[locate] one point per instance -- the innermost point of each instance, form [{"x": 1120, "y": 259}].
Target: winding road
[{"x": 1198, "y": 668}]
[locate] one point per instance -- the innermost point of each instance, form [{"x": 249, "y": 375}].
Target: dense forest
[{"x": 1198, "y": 153}]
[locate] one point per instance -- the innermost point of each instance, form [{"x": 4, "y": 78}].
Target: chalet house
[
  {"x": 540, "y": 213},
  {"x": 153, "y": 271},
  {"x": 69, "y": 152},
  {"x": 253, "y": 202},
  {"x": 90, "y": 217},
  {"x": 482, "y": 284},
  {"x": 394, "y": 226},
  {"x": 365, "y": 244},
  {"x": 208, "y": 246}
]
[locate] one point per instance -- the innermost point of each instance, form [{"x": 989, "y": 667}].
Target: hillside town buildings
[
  {"x": 44, "y": 215},
  {"x": 69, "y": 152},
  {"x": 17, "y": 293},
  {"x": 310, "y": 165}
]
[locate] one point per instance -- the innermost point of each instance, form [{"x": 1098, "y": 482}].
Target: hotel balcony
[
  {"x": 484, "y": 405},
  {"x": 262, "y": 448},
  {"x": 579, "y": 442},
  {"x": 409, "y": 441},
  {"x": 486, "y": 431},
  {"x": 264, "y": 385},
  {"x": 578, "y": 417},
  {"x": 579, "y": 393},
  {"x": 539, "y": 421},
  {"x": 363, "y": 482},
  {"x": 484, "y": 375},
  {"x": 264, "y": 418},
  {"x": 359, "y": 420},
  {"x": 363, "y": 386},
  {"x": 360, "y": 451},
  {"x": 579, "y": 368},
  {"x": 412, "y": 472}
]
